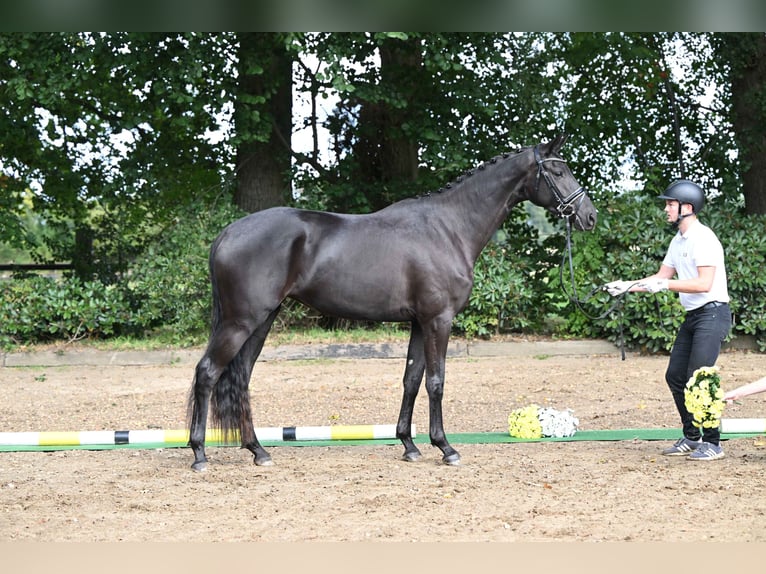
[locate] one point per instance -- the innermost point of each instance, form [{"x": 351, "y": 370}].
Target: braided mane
[{"x": 470, "y": 172}]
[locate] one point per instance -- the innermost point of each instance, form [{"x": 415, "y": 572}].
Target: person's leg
[
  {"x": 709, "y": 328},
  {"x": 677, "y": 375}
]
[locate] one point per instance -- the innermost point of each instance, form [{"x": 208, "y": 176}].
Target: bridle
[{"x": 566, "y": 208}]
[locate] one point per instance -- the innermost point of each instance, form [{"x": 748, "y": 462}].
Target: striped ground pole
[
  {"x": 743, "y": 425},
  {"x": 274, "y": 434}
]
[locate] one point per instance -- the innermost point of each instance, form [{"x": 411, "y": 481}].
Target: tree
[
  {"x": 384, "y": 153},
  {"x": 742, "y": 59},
  {"x": 263, "y": 121},
  {"x": 108, "y": 130},
  {"x": 111, "y": 131},
  {"x": 415, "y": 110},
  {"x": 648, "y": 108}
]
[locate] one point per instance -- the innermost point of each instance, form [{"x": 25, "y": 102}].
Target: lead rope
[
  {"x": 622, "y": 334},
  {"x": 579, "y": 302}
]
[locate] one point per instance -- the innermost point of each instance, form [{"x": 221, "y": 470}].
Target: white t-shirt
[{"x": 698, "y": 247}]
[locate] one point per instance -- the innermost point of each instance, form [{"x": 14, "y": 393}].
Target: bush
[
  {"x": 745, "y": 246},
  {"x": 630, "y": 242},
  {"x": 519, "y": 284},
  {"x": 499, "y": 299},
  {"x": 169, "y": 282},
  {"x": 508, "y": 283},
  {"x": 166, "y": 291},
  {"x": 40, "y": 309}
]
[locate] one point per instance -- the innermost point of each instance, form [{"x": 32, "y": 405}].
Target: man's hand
[
  {"x": 616, "y": 288},
  {"x": 654, "y": 285}
]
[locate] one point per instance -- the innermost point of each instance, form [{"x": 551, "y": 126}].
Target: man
[{"x": 696, "y": 259}]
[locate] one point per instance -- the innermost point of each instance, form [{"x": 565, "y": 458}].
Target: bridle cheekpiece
[{"x": 567, "y": 206}]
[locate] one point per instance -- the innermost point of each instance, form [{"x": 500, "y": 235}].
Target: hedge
[{"x": 517, "y": 288}]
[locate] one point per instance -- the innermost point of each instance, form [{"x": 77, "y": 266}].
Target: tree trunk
[
  {"x": 748, "y": 92},
  {"x": 263, "y": 122},
  {"x": 82, "y": 257},
  {"x": 387, "y": 158}
]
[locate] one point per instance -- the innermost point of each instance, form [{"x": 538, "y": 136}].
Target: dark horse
[{"x": 412, "y": 261}]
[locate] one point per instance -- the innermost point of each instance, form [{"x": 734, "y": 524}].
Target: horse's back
[{"x": 277, "y": 228}]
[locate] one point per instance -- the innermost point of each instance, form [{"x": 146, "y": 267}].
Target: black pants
[{"x": 697, "y": 344}]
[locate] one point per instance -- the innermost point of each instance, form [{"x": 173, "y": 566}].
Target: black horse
[{"x": 411, "y": 261}]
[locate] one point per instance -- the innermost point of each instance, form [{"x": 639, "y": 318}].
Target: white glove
[
  {"x": 616, "y": 288},
  {"x": 654, "y": 285}
]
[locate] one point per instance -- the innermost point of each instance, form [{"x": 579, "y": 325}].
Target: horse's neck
[{"x": 484, "y": 199}]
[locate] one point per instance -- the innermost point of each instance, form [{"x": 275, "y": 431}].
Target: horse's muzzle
[{"x": 585, "y": 218}]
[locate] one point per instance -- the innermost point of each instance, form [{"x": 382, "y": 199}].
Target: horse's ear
[
  {"x": 554, "y": 146},
  {"x": 557, "y": 142}
]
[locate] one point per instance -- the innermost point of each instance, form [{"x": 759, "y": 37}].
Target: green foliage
[
  {"x": 517, "y": 284},
  {"x": 41, "y": 309},
  {"x": 107, "y": 135},
  {"x": 455, "y": 98},
  {"x": 165, "y": 293},
  {"x": 498, "y": 300},
  {"x": 630, "y": 242},
  {"x": 107, "y": 128},
  {"x": 169, "y": 282},
  {"x": 507, "y": 283},
  {"x": 640, "y": 105},
  {"x": 745, "y": 244}
]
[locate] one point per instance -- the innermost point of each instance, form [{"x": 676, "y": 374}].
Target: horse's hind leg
[
  {"x": 205, "y": 375},
  {"x": 250, "y": 352},
  {"x": 224, "y": 345},
  {"x": 413, "y": 376}
]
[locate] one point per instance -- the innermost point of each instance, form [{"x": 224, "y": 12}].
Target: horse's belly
[{"x": 373, "y": 297}]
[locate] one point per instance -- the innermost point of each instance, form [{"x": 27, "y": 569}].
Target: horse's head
[{"x": 557, "y": 190}]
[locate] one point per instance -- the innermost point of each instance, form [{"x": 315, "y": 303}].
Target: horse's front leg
[
  {"x": 413, "y": 376},
  {"x": 436, "y": 358}
]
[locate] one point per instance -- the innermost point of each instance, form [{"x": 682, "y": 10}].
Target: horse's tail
[{"x": 230, "y": 400}]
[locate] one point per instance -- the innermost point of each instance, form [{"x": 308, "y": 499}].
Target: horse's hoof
[
  {"x": 263, "y": 461},
  {"x": 452, "y": 459},
  {"x": 411, "y": 456},
  {"x": 199, "y": 466}
]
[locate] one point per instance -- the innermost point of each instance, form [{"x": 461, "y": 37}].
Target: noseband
[{"x": 567, "y": 206}]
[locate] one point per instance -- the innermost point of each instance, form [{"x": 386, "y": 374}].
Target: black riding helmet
[{"x": 685, "y": 191}]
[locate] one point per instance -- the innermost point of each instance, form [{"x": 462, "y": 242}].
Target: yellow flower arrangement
[
  {"x": 524, "y": 423},
  {"x": 703, "y": 397},
  {"x": 534, "y": 422}
]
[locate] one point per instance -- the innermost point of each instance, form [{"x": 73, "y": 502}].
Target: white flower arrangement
[
  {"x": 703, "y": 397},
  {"x": 536, "y": 422}
]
